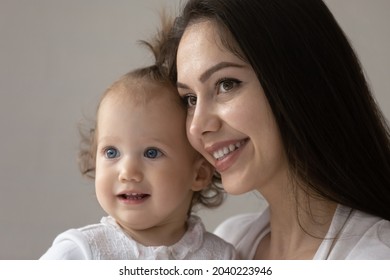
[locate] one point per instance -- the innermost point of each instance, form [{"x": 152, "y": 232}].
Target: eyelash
[
  {"x": 105, "y": 151},
  {"x": 221, "y": 81},
  {"x": 159, "y": 153},
  {"x": 186, "y": 98}
]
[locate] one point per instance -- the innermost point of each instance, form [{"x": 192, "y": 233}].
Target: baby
[{"x": 147, "y": 179}]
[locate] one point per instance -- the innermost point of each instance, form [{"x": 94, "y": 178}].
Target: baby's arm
[{"x": 70, "y": 245}]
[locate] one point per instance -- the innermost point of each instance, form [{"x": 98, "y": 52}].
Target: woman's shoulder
[
  {"x": 362, "y": 236},
  {"x": 243, "y": 220},
  {"x": 374, "y": 242},
  {"x": 235, "y": 228}
]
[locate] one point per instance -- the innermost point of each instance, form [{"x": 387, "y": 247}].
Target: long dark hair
[{"x": 336, "y": 138}]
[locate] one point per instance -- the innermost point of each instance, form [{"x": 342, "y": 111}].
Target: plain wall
[{"x": 56, "y": 59}]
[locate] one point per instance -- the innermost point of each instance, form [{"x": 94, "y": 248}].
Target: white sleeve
[
  {"x": 234, "y": 229},
  {"x": 70, "y": 245}
]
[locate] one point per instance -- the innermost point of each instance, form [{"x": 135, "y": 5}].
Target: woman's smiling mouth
[{"x": 224, "y": 151}]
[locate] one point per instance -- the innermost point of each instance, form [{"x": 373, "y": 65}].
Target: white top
[
  {"x": 353, "y": 235},
  {"x": 107, "y": 241}
]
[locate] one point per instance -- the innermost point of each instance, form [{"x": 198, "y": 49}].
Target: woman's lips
[
  {"x": 226, "y": 153},
  {"x": 226, "y": 150}
]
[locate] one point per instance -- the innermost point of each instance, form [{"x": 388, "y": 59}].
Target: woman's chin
[{"x": 233, "y": 186}]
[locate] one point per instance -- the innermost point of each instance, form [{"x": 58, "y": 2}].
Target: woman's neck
[{"x": 298, "y": 226}]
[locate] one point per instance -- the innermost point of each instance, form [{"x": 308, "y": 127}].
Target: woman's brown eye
[
  {"x": 189, "y": 100},
  {"x": 192, "y": 100},
  {"x": 227, "y": 85}
]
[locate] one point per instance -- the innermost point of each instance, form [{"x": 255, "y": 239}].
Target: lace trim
[{"x": 189, "y": 243}]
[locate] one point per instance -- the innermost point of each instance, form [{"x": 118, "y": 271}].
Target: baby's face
[{"x": 145, "y": 166}]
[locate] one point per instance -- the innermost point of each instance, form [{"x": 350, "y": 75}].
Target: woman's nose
[
  {"x": 203, "y": 120},
  {"x": 130, "y": 171}
]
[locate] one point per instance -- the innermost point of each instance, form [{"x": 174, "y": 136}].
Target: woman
[{"x": 278, "y": 103}]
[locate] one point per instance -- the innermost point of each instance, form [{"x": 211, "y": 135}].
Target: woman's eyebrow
[
  {"x": 181, "y": 85},
  {"x": 207, "y": 74}
]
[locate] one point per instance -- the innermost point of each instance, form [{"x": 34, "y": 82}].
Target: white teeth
[
  {"x": 226, "y": 150},
  {"x": 128, "y": 195},
  {"x": 133, "y": 196}
]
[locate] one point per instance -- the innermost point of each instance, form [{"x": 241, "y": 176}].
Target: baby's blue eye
[
  {"x": 152, "y": 153},
  {"x": 111, "y": 153}
]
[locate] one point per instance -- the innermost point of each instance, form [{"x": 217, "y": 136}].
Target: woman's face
[{"x": 229, "y": 120}]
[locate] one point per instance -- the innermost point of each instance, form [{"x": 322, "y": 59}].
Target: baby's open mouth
[{"x": 133, "y": 196}]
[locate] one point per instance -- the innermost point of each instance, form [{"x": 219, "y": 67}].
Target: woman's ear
[{"x": 204, "y": 174}]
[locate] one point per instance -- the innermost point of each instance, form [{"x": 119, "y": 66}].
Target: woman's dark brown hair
[{"x": 334, "y": 134}]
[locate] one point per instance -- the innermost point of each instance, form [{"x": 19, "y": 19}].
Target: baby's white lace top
[{"x": 107, "y": 240}]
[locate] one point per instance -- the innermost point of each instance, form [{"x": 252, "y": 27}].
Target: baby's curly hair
[{"x": 210, "y": 197}]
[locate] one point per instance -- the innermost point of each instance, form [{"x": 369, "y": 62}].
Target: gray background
[{"x": 56, "y": 59}]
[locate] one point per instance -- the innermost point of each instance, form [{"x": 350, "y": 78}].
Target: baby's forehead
[
  {"x": 142, "y": 99},
  {"x": 141, "y": 91}
]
